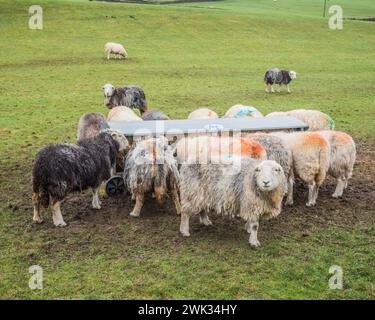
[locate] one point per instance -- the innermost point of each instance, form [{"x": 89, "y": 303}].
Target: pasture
[{"x": 184, "y": 56}]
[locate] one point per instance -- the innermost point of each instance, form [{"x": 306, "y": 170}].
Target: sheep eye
[
  {"x": 257, "y": 169},
  {"x": 277, "y": 170}
]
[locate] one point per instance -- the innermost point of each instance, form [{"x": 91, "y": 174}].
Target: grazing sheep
[
  {"x": 64, "y": 168},
  {"x": 203, "y": 113},
  {"x": 316, "y": 120},
  {"x": 154, "y": 115},
  {"x": 278, "y": 151},
  {"x": 281, "y": 77},
  {"x": 254, "y": 191},
  {"x": 117, "y": 49},
  {"x": 151, "y": 167},
  {"x": 205, "y": 148},
  {"x": 343, "y": 154},
  {"x": 90, "y": 124},
  {"x": 311, "y": 156},
  {"x": 241, "y": 111},
  {"x": 122, "y": 114},
  {"x": 130, "y": 96}
]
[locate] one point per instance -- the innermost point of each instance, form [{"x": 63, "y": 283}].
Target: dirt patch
[{"x": 161, "y": 224}]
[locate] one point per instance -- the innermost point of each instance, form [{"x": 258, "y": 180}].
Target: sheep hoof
[
  {"x": 310, "y": 204},
  {"x": 134, "y": 214},
  {"x": 255, "y": 244},
  {"x": 38, "y": 220},
  {"x": 60, "y": 224},
  {"x": 185, "y": 234},
  {"x": 96, "y": 206},
  {"x": 335, "y": 195}
]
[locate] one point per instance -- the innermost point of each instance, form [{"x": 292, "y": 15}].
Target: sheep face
[
  {"x": 293, "y": 75},
  {"x": 120, "y": 138},
  {"x": 108, "y": 90},
  {"x": 268, "y": 175}
]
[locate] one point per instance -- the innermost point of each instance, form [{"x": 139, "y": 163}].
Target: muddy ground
[{"x": 161, "y": 222}]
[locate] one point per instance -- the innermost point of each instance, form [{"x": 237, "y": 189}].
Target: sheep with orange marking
[
  {"x": 241, "y": 111},
  {"x": 343, "y": 155},
  {"x": 277, "y": 150},
  {"x": 203, "y": 113},
  {"x": 311, "y": 159},
  {"x": 316, "y": 120},
  {"x": 204, "y": 148},
  {"x": 151, "y": 167}
]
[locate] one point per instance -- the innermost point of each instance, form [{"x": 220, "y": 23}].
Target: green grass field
[{"x": 184, "y": 56}]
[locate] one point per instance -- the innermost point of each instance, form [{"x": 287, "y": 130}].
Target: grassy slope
[{"x": 184, "y": 58}]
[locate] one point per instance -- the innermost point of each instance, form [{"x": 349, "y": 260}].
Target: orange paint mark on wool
[
  {"x": 315, "y": 139},
  {"x": 341, "y": 136},
  {"x": 252, "y": 148}
]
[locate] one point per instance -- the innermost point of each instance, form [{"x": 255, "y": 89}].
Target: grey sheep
[{"x": 90, "y": 124}]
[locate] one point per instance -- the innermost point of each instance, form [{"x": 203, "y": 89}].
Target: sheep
[
  {"x": 129, "y": 96},
  {"x": 316, "y": 120},
  {"x": 122, "y": 114},
  {"x": 255, "y": 190},
  {"x": 90, "y": 124},
  {"x": 117, "y": 49},
  {"x": 151, "y": 167},
  {"x": 241, "y": 111},
  {"x": 343, "y": 155},
  {"x": 203, "y": 148},
  {"x": 203, "y": 113},
  {"x": 280, "y": 77},
  {"x": 64, "y": 168},
  {"x": 278, "y": 151},
  {"x": 154, "y": 115},
  {"x": 311, "y": 157}
]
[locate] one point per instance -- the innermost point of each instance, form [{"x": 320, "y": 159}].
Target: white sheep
[
  {"x": 117, "y": 49},
  {"x": 311, "y": 157},
  {"x": 316, "y": 120},
  {"x": 203, "y": 148},
  {"x": 343, "y": 155},
  {"x": 278, "y": 151},
  {"x": 241, "y": 111},
  {"x": 122, "y": 113},
  {"x": 255, "y": 191},
  {"x": 203, "y": 113}
]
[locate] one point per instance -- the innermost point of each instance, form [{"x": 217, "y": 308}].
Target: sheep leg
[
  {"x": 339, "y": 188},
  {"x": 310, "y": 201},
  {"x": 204, "y": 219},
  {"x": 289, "y": 198},
  {"x": 252, "y": 228},
  {"x": 95, "y": 198},
  {"x": 184, "y": 226},
  {"x": 139, "y": 198},
  {"x": 272, "y": 90},
  {"x": 267, "y": 88},
  {"x": 58, "y": 220},
  {"x": 316, "y": 192},
  {"x": 287, "y": 87},
  {"x": 36, "y": 204},
  {"x": 176, "y": 200},
  {"x": 279, "y": 90}
]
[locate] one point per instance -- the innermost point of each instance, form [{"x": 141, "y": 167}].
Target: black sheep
[{"x": 60, "y": 169}]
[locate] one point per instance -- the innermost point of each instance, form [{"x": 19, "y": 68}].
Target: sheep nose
[{"x": 266, "y": 183}]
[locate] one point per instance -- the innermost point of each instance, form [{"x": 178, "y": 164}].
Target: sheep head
[
  {"x": 269, "y": 175},
  {"x": 293, "y": 75},
  {"x": 108, "y": 90}
]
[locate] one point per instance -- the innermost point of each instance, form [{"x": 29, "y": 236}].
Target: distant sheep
[
  {"x": 64, "y": 168},
  {"x": 241, "y": 111},
  {"x": 203, "y": 148},
  {"x": 151, "y": 167},
  {"x": 203, "y": 113},
  {"x": 343, "y": 155},
  {"x": 311, "y": 157},
  {"x": 278, "y": 151},
  {"x": 316, "y": 120},
  {"x": 154, "y": 115},
  {"x": 280, "y": 77},
  {"x": 255, "y": 191},
  {"x": 90, "y": 124},
  {"x": 122, "y": 114},
  {"x": 130, "y": 96},
  {"x": 117, "y": 49}
]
